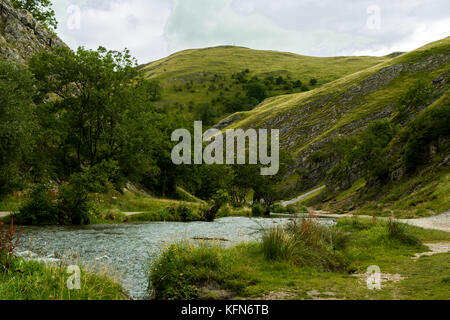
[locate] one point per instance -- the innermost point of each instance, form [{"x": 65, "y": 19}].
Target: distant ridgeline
[{"x": 21, "y": 36}]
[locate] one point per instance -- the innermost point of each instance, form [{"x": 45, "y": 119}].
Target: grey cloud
[{"x": 152, "y": 29}]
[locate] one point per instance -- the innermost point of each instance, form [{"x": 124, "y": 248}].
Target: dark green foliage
[
  {"x": 17, "y": 125},
  {"x": 313, "y": 82},
  {"x": 152, "y": 89},
  {"x": 258, "y": 210},
  {"x": 257, "y": 91},
  {"x": 73, "y": 203},
  {"x": 185, "y": 213},
  {"x": 103, "y": 112},
  {"x": 198, "y": 267},
  {"x": 206, "y": 113},
  {"x": 40, "y": 210},
  {"x": 397, "y": 231},
  {"x": 424, "y": 130},
  {"x": 297, "y": 84},
  {"x": 40, "y": 9},
  {"x": 416, "y": 96},
  {"x": 366, "y": 151}
]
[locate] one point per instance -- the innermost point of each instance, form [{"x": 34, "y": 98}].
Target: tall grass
[
  {"x": 277, "y": 244},
  {"x": 306, "y": 243},
  {"x": 397, "y": 231},
  {"x": 183, "y": 267},
  {"x": 8, "y": 243}
]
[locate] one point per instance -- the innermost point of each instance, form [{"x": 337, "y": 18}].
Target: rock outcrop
[{"x": 21, "y": 36}]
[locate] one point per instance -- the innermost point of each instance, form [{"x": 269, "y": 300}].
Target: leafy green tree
[
  {"x": 256, "y": 91},
  {"x": 313, "y": 81},
  {"x": 40, "y": 9},
  {"x": 94, "y": 108},
  {"x": 16, "y": 125},
  {"x": 206, "y": 113}
]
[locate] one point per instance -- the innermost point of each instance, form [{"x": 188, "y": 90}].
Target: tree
[
  {"x": 40, "y": 9},
  {"x": 206, "y": 113},
  {"x": 297, "y": 84},
  {"x": 16, "y": 124},
  {"x": 257, "y": 91},
  {"x": 313, "y": 81},
  {"x": 94, "y": 108}
]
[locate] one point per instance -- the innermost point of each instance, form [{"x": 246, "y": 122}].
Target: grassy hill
[
  {"x": 313, "y": 122},
  {"x": 220, "y": 74}
]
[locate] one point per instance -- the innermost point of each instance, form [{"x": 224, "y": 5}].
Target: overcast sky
[{"x": 153, "y": 29}]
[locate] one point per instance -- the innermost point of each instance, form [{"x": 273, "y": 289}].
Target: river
[{"x": 127, "y": 249}]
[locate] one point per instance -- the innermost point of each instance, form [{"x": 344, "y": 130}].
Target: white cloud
[
  {"x": 134, "y": 24},
  {"x": 152, "y": 29}
]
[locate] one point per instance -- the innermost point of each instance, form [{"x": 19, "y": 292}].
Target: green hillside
[
  {"x": 219, "y": 76},
  {"x": 398, "y": 91}
]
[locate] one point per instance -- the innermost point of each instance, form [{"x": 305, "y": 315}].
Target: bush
[
  {"x": 39, "y": 210},
  {"x": 417, "y": 95},
  {"x": 73, "y": 203},
  {"x": 181, "y": 267},
  {"x": 424, "y": 130},
  {"x": 397, "y": 231},
  {"x": 187, "y": 214},
  {"x": 296, "y": 208},
  {"x": 277, "y": 208},
  {"x": 257, "y": 210}
]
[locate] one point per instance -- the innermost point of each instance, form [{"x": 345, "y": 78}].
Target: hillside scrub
[{"x": 190, "y": 270}]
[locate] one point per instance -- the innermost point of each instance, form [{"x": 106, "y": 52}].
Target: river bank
[
  {"x": 127, "y": 249},
  {"x": 414, "y": 264}
]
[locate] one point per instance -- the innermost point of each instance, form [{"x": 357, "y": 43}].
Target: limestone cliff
[{"x": 21, "y": 36}]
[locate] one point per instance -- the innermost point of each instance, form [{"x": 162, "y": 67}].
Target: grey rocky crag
[
  {"x": 309, "y": 127},
  {"x": 21, "y": 36}
]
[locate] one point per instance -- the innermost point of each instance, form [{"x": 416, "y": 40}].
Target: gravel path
[
  {"x": 303, "y": 196},
  {"x": 439, "y": 222},
  {"x": 4, "y": 214}
]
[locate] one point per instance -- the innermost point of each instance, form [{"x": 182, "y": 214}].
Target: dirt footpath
[
  {"x": 4, "y": 214},
  {"x": 439, "y": 222}
]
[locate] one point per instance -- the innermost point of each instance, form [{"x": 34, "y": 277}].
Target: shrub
[
  {"x": 416, "y": 96},
  {"x": 426, "y": 128},
  {"x": 257, "y": 210},
  {"x": 397, "y": 231},
  {"x": 296, "y": 208},
  {"x": 73, "y": 203},
  {"x": 39, "y": 210},
  {"x": 187, "y": 214},
  {"x": 277, "y": 208},
  {"x": 181, "y": 267},
  {"x": 225, "y": 211}
]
